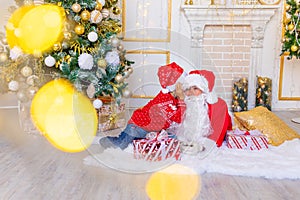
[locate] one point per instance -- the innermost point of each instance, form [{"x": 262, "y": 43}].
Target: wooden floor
[{"x": 31, "y": 168}]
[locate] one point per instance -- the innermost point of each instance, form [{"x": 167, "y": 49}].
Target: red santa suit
[
  {"x": 220, "y": 121},
  {"x": 217, "y": 108}
]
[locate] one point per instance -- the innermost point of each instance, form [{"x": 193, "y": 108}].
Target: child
[{"x": 163, "y": 111}]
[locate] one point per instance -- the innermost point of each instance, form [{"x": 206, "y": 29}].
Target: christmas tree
[
  {"x": 291, "y": 31},
  {"x": 89, "y": 53}
]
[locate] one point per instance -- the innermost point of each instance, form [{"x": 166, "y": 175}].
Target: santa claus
[
  {"x": 162, "y": 112},
  {"x": 206, "y": 115}
]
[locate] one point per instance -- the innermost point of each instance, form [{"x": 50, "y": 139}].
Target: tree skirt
[{"x": 280, "y": 162}]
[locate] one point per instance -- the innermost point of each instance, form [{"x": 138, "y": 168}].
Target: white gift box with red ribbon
[
  {"x": 250, "y": 140},
  {"x": 156, "y": 147}
]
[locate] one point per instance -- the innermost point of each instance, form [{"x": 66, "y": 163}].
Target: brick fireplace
[{"x": 229, "y": 40}]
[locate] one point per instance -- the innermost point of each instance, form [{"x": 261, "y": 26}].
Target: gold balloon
[
  {"x": 58, "y": 105},
  {"x": 79, "y": 29},
  {"x": 41, "y": 27},
  {"x": 57, "y": 47},
  {"x": 85, "y": 15},
  {"x": 98, "y": 6},
  {"x": 294, "y": 48},
  {"x": 116, "y": 10},
  {"x": 76, "y": 7}
]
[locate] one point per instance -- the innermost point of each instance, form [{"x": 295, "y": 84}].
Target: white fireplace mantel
[{"x": 256, "y": 16}]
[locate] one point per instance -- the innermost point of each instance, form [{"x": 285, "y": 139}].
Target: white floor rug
[{"x": 282, "y": 162}]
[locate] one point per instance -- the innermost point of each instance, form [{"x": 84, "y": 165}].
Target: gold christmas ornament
[
  {"x": 119, "y": 78},
  {"x": 96, "y": 17},
  {"x": 79, "y": 29},
  {"x": 291, "y": 27},
  {"x": 287, "y": 7},
  {"x": 85, "y": 15},
  {"x": 116, "y": 10},
  {"x": 101, "y": 63},
  {"x": 26, "y": 71},
  {"x": 105, "y": 12},
  {"x": 98, "y": 6},
  {"x": 294, "y": 48},
  {"x": 114, "y": 2},
  {"x": 115, "y": 42},
  {"x": 3, "y": 57},
  {"x": 76, "y": 7}
]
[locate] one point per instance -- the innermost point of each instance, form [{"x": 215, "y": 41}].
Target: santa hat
[
  {"x": 205, "y": 81},
  {"x": 169, "y": 75}
]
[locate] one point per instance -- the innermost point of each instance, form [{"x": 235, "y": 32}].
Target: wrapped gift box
[
  {"x": 156, "y": 149},
  {"x": 111, "y": 116},
  {"x": 252, "y": 140}
]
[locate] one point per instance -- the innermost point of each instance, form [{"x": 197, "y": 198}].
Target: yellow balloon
[
  {"x": 40, "y": 28},
  {"x": 176, "y": 182},
  {"x": 66, "y": 117},
  {"x": 13, "y": 24}
]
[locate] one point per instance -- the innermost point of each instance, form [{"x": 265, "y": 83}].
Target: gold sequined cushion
[
  {"x": 260, "y": 118},
  {"x": 237, "y": 124}
]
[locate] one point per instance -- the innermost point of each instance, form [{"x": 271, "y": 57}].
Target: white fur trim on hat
[
  {"x": 201, "y": 83},
  {"x": 196, "y": 80},
  {"x": 165, "y": 90}
]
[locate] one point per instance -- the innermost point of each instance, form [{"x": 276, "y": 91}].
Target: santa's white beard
[{"x": 196, "y": 124}]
